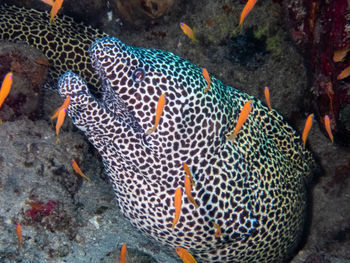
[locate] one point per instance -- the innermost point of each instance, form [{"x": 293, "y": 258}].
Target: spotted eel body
[
  {"x": 254, "y": 187},
  {"x": 64, "y": 42}
]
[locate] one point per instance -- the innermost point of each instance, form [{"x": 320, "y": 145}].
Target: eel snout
[
  {"x": 73, "y": 86},
  {"x": 83, "y": 106}
]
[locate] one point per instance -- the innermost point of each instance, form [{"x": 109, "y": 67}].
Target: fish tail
[{"x": 149, "y": 131}]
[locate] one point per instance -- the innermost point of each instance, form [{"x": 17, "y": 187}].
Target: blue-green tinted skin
[{"x": 253, "y": 187}]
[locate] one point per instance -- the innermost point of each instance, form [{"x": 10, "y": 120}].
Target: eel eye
[{"x": 138, "y": 75}]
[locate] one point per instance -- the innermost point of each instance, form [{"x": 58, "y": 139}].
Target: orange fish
[
  {"x": 218, "y": 230},
  {"x": 327, "y": 124},
  {"x": 19, "y": 235},
  {"x": 54, "y": 10},
  {"x": 78, "y": 171},
  {"x": 159, "y": 111},
  {"x": 5, "y": 87},
  {"x": 345, "y": 73},
  {"x": 267, "y": 97},
  {"x": 241, "y": 119},
  {"x": 60, "y": 120},
  {"x": 122, "y": 258},
  {"x": 177, "y": 204},
  {"x": 307, "y": 128},
  {"x": 188, "y": 172},
  {"x": 48, "y": 2},
  {"x": 185, "y": 255},
  {"x": 188, "y": 31},
  {"x": 34, "y": 205},
  {"x": 248, "y": 7},
  {"x": 42, "y": 61},
  {"x": 339, "y": 55},
  {"x": 207, "y": 79},
  {"x": 63, "y": 106},
  {"x": 188, "y": 189}
]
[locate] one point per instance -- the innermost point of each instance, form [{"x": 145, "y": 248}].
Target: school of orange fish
[{"x": 60, "y": 114}]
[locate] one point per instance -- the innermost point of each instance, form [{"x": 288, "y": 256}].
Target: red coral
[
  {"x": 39, "y": 209},
  {"x": 319, "y": 28}
]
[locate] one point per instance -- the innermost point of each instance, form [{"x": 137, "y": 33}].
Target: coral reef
[
  {"x": 247, "y": 50},
  {"x": 340, "y": 180},
  {"x": 29, "y": 67},
  {"x": 39, "y": 208},
  {"x": 137, "y": 12},
  {"x": 320, "y": 28}
]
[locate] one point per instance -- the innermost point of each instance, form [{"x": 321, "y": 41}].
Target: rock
[{"x": 29, "y": 67}]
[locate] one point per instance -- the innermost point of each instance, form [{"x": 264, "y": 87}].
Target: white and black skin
[{"x": 253, "y": 187}]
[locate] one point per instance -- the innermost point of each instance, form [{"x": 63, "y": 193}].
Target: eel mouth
[
  {"x": 102, "y": 50},
  {"x": 98, "y": 69},
  {"x": 115, "y": 104}
]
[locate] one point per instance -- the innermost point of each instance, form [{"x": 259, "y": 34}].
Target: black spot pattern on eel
[
  {"x": 64, "y": 42},
  {"x": 254, "y": 188}
]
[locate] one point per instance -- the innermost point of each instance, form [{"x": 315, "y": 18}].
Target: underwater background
[{"x": 285, "y": 45}]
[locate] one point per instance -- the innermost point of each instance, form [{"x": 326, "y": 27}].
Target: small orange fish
[
  {"x": 185, "y": 255},
  {"x": 159, "y": 111},
  {"x": 218, "y": 230},
  {"x": 48, "y": 2},
  {"x": 188, "y": 31},
  {"x": 19, "y": 235},
  {"x": 42, "y": 61},
  {"x": 246, "y": 10},
  {"x": 339, "y": 55},
  {"x": 307, "y": 128},
  {"x": 267, "y": 97},
  {"x": 207, "y": 79},
  {"x": 78, "y": 171},
  {"x": 122, "y": 258},
  {"x": 60, "y": 120},
  {"x": 63, "y": 106},
  {"x": 188, "y": 172},
  {"x": 345, "y": 73},
  {"x": 55, "y": 8},
  {"x": 327, "y": 125},
  {"x": 35, "y": 205},
  {"x": 188, "y": 189},
  {"x": 177, "y": 204},
  {"x": 5, "y": 87},
  {"x": 241, "y": 119}
]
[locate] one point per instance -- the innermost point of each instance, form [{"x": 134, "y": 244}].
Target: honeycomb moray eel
[
  {"x": 64, "y": 42},
  {"x": 254, "y": 188}
]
